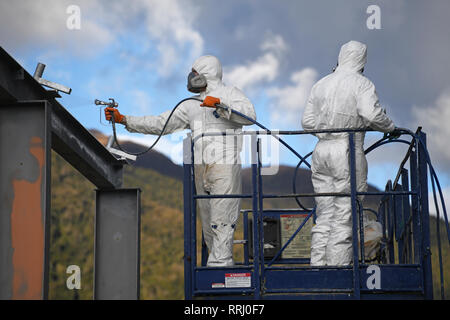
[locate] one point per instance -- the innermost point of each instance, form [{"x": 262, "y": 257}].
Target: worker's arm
[
  {"x": 309, "y": 117},
  {"x": 152, "y": 124},
  {"x": 368, "y": 107},
  {"x": 155, "y": 124},
  {"x": 234, "y": 100},
  {"x": 239, "y": 102}
]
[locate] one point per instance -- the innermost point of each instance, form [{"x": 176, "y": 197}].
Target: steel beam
[
  {"x": 25, "y": 157},
  {"x": 83, "y": 151},
  {"x": 117, "y": 244},
  {"x": 69, "y": 138}
]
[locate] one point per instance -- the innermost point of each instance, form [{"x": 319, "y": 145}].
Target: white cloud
[
  {"x": 432, "y": 207},
  {"x": 263, "y": 70},
  {"x": 286, "y": 102},
  {"x": 435, "y": 121},
  {"x": 142, "y": 100},
  {"x": 274, "y": 43},
  {"x": 171, "y": 26},
  {"x": 289, "y": 102},
  {"x": 98, "y": 87},
  {"x": 42, "y": 24},
  {"x": 164, "y": 29}
]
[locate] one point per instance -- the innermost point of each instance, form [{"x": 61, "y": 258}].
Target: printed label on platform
[
  {"x": 300, "y": 246},
  {"x": 238, "y": 280}
]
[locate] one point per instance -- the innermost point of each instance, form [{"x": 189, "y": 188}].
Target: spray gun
[
  {"x": 124, "y": 155},
  {"x": 112, "y": 103}
]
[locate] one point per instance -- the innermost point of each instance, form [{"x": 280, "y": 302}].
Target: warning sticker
[
  {"x": 300, "y": 246},
  {"x": 238, "y": 280}
]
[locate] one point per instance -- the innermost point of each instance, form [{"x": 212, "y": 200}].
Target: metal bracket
[
  {"x": 38, "y": 77},
  {"x": 123, "y": 155}
]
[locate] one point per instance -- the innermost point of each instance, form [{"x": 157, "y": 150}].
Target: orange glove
[
  {"x": 118, "y": 118},
  {"x": 210, "y": 102}
]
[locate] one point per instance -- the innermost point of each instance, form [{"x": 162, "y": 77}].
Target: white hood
[
  {"x": 211, "y": 68},
  {"x": 352, "y": 57}
]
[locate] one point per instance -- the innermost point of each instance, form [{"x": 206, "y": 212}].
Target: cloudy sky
[{"x": 140, "y": 51}]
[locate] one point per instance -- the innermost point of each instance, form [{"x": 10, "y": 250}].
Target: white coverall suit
[
  {"x": 344, "y": 99},
  {"x": 217, "y": 165}
]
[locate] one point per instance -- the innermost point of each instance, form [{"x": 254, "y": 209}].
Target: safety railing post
[
  {"x": 204, "y": 252},
  {"x": 361, "y": 231},
  {"x": 193, "y": 220},
  {"x": 390, "y": 223},
  {"x": 424, "y": 214},
  {"x": 416, "y": 221},
  {"x": 255, "y": 213},
  {"x": 246, "y": 237},
  {"x": 382, "y": 220},
  {"x": 398, "y": 218},
  {"x": 187, "y": 198},
  {"x": 260, "y": 213},
  {"x": 406, "y": 218},
  {"x": 356, "y": 275}
]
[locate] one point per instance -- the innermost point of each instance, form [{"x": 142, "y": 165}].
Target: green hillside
[{"x": 72, "y": 233}]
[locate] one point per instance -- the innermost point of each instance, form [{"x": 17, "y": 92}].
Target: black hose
[
  {"x": 294, "y": 180},
  {"x": 159, "y": 136},
  {"x": 302, "y": 159}
]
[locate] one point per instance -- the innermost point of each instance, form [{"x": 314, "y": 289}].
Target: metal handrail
[{"x": 413, "y": 143}]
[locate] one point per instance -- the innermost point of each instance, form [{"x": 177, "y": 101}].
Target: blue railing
[{"x": 403, "y": 212}]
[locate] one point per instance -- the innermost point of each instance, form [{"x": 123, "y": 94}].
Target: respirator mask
[{"x": 196, "y": 82}]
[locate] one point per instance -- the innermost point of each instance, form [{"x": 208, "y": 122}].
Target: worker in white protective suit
[
  {"x": 344, "y": 99},
  {"x": 217, "y": 165}
]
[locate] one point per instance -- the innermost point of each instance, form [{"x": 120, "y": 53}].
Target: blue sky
[{"x": 140, "y": 52}]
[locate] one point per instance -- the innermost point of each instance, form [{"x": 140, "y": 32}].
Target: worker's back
[
  {"x": 335, "y": 99},
  {"x": 346, "y": 99}
]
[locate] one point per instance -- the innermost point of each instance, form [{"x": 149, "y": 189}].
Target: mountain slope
[{"x": 151, "y": 160}]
